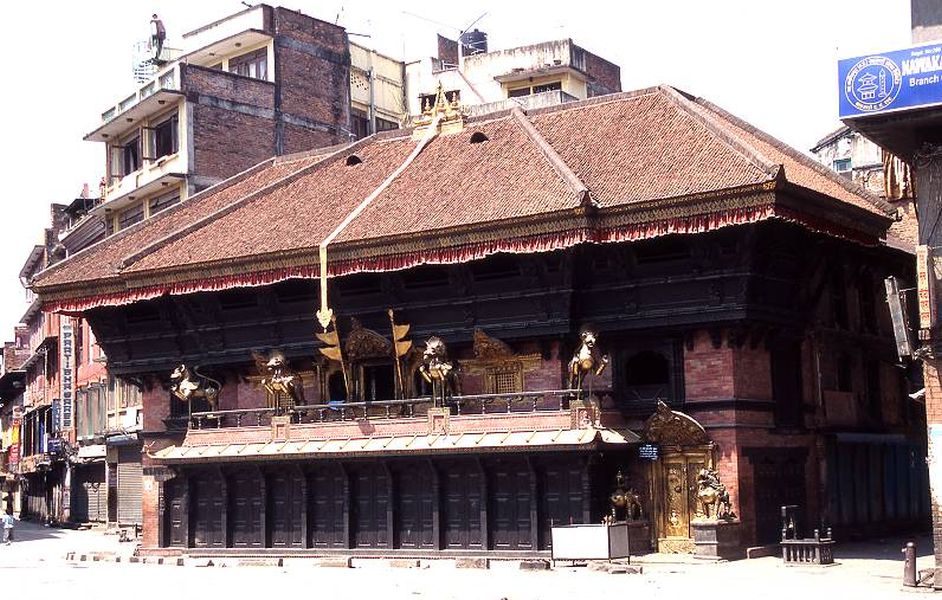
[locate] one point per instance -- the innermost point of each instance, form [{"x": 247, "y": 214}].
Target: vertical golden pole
[{"x": 400, "y": 392}]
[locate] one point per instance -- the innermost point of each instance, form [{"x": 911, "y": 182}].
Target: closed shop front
[
  {"x": 129, "y": 474},
  {"x": 35, "y": 497},
  {"x": 89, "y": 493}
]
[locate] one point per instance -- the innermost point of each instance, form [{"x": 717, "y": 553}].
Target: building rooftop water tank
[{"x": 474, "y": 42}]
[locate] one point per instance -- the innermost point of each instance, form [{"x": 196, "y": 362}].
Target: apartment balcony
[{"x": 163, "y": 90}]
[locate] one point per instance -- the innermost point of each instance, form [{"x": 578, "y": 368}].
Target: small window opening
[
  {"x": 353, "y": 159},
  {"x": 477, "y": 137}
]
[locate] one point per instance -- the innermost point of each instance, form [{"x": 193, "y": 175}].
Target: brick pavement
[{"x": 864, "y": 570}]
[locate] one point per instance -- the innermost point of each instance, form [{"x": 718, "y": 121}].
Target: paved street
[{"x": 865, "y": 571}]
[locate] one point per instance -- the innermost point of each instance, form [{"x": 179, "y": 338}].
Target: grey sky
[{"x": 772, "y": 63}]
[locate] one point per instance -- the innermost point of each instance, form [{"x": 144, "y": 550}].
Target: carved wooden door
[
  {"x": 562, "y": 491},
  {"x": 285, "y": 506},
  {"x": 327, "y": 500},
  {"x": 509, "y": 513},
  {"x": 245, "y": 508},
  {"x": 207, "y": 510},
  {"x": 370, "y": 500},
  {"x": 675, "y": 516},
  {"x": 461, "y": 510},
  {"x": 679, "y": 493},
  {"x": 175, "y": 496},
  {"x": 415, "y": 500}
]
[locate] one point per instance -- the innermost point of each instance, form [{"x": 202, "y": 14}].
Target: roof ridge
[
  {"x": 593, "y": 101},
  {"x": 684, "y": 102},
  {"x": 197, "y": 197},
  {"x": 559, "y": 165},
  {"x": 241, "y": 201},
  {"x": 830, "y": 137},
  {"x": 802, "y": 158}
]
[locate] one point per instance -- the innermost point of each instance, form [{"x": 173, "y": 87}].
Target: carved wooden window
[
  {"x": 644, "y": 372},
  {"x": 504, "y": 379}
]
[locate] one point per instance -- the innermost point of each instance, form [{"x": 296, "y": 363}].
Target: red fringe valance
[{"x": 469, "y": 252}]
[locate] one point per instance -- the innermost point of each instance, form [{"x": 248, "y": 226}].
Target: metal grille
[{"x": 505, "y": 382}]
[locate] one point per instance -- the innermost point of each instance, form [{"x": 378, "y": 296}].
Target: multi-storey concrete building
[
  {"x": 12, "y": 385},
  {"x": 852, "y": 155},
  {"x": 275, "y": 79},
  {"x": 45, "y": 428}
]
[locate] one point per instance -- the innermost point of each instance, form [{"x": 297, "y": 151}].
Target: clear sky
[{"x": 773, "y": 64}]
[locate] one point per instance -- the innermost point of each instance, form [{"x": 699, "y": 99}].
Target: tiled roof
[{"x": 637, "y": 152}]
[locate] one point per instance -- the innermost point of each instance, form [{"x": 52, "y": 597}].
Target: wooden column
[
  {"x": 534, "y": 507},
  {"x": 436, "y": 507},
  {"x": 390, "y": 505},
  {"x": 347, "y": 538},
  {"x": 305, "y": 538},
  {"x": 587, "y": 489},
  {"x": 263, "y": 507},
  {"x": 485, "y": 530},
  {"x": 224, "y": 517},
  {"x": 184, "y": 477}
]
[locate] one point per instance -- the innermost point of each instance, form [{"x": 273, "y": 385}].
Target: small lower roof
[{"x": 397, "y": 444}]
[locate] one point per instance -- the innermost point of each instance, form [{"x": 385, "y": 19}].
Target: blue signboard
[
  {"x": 891, "y": 81},
  {"x": 648, "y": 451}
]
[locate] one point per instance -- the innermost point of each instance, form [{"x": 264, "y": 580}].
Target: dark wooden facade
[
  {"x": 773, "y": 298},
  {"x": 460, "y": 505}
]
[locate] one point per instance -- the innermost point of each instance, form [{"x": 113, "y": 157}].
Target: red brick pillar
[
  {"x": 934, "y": 422},
  {"x": 150, "y": 510}
]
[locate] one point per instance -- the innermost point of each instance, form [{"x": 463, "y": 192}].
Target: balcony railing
[
  {"x": 167, "y": 79},
  {"x": 476, "y": 404}
]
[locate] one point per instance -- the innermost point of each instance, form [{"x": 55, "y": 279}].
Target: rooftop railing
[{"x": 474, "y": 404}]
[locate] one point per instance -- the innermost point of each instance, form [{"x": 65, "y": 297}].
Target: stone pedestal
[
  {"x": 639, "y": 537},
  {"x": 716, "y": 539}
]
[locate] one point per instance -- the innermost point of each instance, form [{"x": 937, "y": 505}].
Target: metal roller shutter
[
  {"x": 129, "y": 484},
  {"x": 89, "y": 493}
]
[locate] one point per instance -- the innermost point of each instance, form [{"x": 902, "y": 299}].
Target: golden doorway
[{"x": 684, "y": 450}]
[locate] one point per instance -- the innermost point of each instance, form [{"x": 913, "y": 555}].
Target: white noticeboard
[{"x": 590, "y": 542}]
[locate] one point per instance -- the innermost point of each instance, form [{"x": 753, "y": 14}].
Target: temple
[{"x": 453, "y": 338}]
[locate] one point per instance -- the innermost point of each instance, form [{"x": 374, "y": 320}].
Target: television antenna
[{"x": 461, "y": 32}]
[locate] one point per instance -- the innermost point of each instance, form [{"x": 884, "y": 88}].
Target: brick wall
[
  {"x": 708, "y": 371},
  {"x": 752, "y": 377},
  {"x": 233, "y": 120},
  {"x": 155, "y": 407},
  {"x": 226, "y": 142},
  {"x": 931, "y": 373},
  {"x": 604, "y": 76},
  {"x": 150, "y": 512},
  {"x": 312, "y": 62},
  {"x": 447, "y": 50},
  {"x": 221, "y": 85}
]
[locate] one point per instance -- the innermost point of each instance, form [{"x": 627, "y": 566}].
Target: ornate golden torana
[
  {"x": 490, "y": 348},
  {"x": 502, "y": 369},
  {"x": 363, "y": 343},
  {"x": 445, "y": 114},
  {"x": 673, "y": 427}
]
